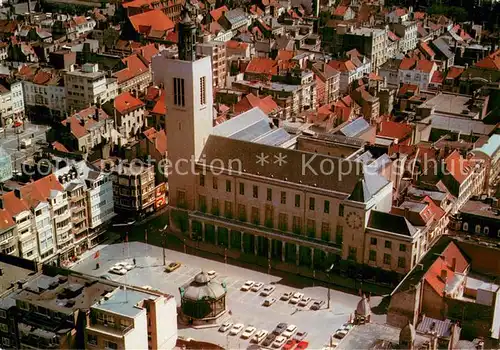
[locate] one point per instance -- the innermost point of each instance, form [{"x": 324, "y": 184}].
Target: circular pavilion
[{"x": 202, "y": 300}]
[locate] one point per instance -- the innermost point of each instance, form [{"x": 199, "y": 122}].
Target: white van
[{"x": 259, "y": 336}]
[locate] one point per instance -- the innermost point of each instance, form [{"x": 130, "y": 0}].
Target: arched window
[
  {"x": 486, "y": 230},
  {"x": 466, "y": 226},
  {"x": 478, "y": 229}
]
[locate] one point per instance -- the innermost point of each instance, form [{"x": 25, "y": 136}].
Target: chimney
[
  {"x": 444, "y": 275},
  {"x": 82, "y": 122},
  {"x": 17, "y": 192}
]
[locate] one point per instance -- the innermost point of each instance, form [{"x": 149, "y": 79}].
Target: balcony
[
  {"x": 62, "y": 217},
  {"x": 77, "y": 219},
  {"x": 109, "y": 329},
  {"x": 77, "y": 197}
]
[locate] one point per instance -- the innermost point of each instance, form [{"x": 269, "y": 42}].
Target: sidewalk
[{"x": 112, "y": 237}]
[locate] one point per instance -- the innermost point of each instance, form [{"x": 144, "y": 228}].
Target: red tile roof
[
  {"x": 458, "y": 167},
  {"x": 418, "y": 15},
  {"x": 399, "y": 131},
  {"x": 454, "y": 72},
  {"x": 158, "y": 138},
  {"x": 285, "y": 55},
  {"x": 135, "y": 67},
  {"x": 13, "y": 204},
  {"x": 408, "y": 88},
  {"x": 400, "y": 12},
  {"x": 42, "y": 77},
  {"x": 147, "y": 52},
  {"x": 156, "y": 20},
  {"x": 39, "y": 191},
  {"x": 490, "y": 62},
  {"x": 437, "y": 77},
  {"x": 427, "y": 50},
  {"x": 449, "y": 257},
  {"x": 218, "y": 12},
  {"x": 425, "y": 66},
  {"x": 261, "y": 65},
  {"x": 233, "y": 44},
  {"x": 340, "y": 11},
  {"x": 266, "y": 104},
  {"x": 160, "y": 106},
  {"x": 437, "y": 211},
  {"x": 152, "y": 93},
  {"x": 59, "y": 147},
  {"x": 407, "y": 63},
  {"x": 6, "y": 221},
  {"x": 342, "y": 66},
  {"x": 125, "y": 103},
  {"x": 81, "y": 121}
]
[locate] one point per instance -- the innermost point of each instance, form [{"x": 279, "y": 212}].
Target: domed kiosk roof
[
  {"x": 363, "y": 308},
  {"x": 202, "y": 288}
]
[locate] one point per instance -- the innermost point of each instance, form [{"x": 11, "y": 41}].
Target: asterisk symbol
[
  {"x": 262, "y": 159},
  {"x": 280, "y": 159}
]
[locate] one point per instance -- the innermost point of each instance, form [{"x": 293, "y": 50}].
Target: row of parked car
[
  {"x": 284, "y": 335},
  {"x": 340, "y": 334},
  {"x": 121, "y": 268},
  {"x": 294, "y": 298}
]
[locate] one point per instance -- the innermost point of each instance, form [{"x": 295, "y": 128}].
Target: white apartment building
[
  {"x": 132, "y": 318},
  {"x": 407, "y": 31},
  {"x": 217, "y": 51},
  {"x": 61, "y": 217},
  {"x": 12, "y": 103},
  {"x": 371, "y": 42},
  {"x": 45, "y": 232},
  {"x": 87, "y": 86},
  {"x": 129, "y": 114},
  {"x": 84, "y": 25},
  {"x": 416, "y": 72},
  {"x": 49, "y": 93},
  {"x": 100, "y": 202}
]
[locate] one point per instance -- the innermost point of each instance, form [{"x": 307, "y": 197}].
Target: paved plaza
[{"x": 245, "y": 306}]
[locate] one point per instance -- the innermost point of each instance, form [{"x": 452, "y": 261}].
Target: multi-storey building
[
  {"x": 11, "y": 103},
  {"x": 87, "y": 86},
  {"x": 61, "y": 218},
  {"x": 43, "y": 88},
  {"x": 135, "y": 76},
  {"x": 371, "y": 42},
  {"x": 296, "y": 211},
  {"x": 24, "y": 218},
  {"x": 129, "y": 114},
  {"x": 217, "y": 51},
  {"x": 8, "y": 232},
  {"x": 408, "y": 32},
  {"x": 417, "y": 72},
  {"x": 330, "y": 78},
  {"x": 490, "y": 154},
  {"x": 133, "y": 187}
]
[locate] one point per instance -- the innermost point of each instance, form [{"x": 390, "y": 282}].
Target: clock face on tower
[{"x": 354, "y": 220}]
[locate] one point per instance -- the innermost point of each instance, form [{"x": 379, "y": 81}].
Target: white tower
[{"x": 189, "y": 120}]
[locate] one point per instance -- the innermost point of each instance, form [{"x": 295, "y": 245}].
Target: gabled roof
[
  {"x": 261, "y": 65},
  {"x": 13, "y": 204},
  {"x": 458, "y": 167},
  {"x": 234, "y": 45},
  {"x": 340, "y": 11},
  {"x": 425, "y": 48},
  {"x": 392, "y": 36},
  {"x": 135, "y": 66},
  {"x": 490, "y": 62},
  {"x": 437, "y": 77},
  {"x": 125, "y": 103},
  {"x": 81, "y": 121},
  {"x": 147, "y": 52},
  {"x": 217, "y": 13},
  {"x": 454, "y": 72},
  {"x": 342, "y": 66},
  {"x": 158, "y": 138},
  {"x": 391, "y": 223},
  {"x": 266, "y": 104},
  {"x": 407, "y": 63},
  {"x": 425, "y": 66},
  {"x": 40, "y": 190},
  {"x": 443, "y": 47},
  {"x": 491, "y": 147},
  {"x": 59, "y": 147},
  {"x": 160, "y": 106},
  {"x": 6, "y": 221}
]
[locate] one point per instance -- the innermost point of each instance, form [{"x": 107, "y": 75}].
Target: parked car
[
  {"x": 302, "y": 345},
  {"x": 268, "y": 340},
  {"x": 267, "y": 291},
  {"x": 289, "y": 331},
  {"x": 279, "y": 341},
  {"x": 257, "y": 286},
  {"x": 286, "y": 296},
  {"x": 296, "y": 297},
  {"x": 236, "y": 329},
  {"x": 119, "y": 270},
  {"x": 269, "y": 301},
  {"x": 248, "y": 332},
  {"x": 125, "y": 265},
  {"x": 246, "y": 287},
  {"x": 225, "y": 326},
  {"x": 347, "y": 326},
  {"x": 317, "y": 304},
  {"x": 304, "y": 301},
  {"x": 211, "y": 274},
  {"x": 290, "y": 344},
  {"x": 299, "y": 336},
  {"x": 105, "y": 277},
  {"x": 340, "y": 333},
  {"x": 259, "y": 336},
  {"x": 172, "y": 267},
  {"x": 280, "y": 328}
]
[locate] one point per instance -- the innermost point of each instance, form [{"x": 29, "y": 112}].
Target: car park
[
  {"x": 257, "y": 286},
  {"x": 246, "y": 287},
  {"x": 289, "y": 331},
  {"x": 280, "y": 328},
  {"x": 304, "y": 301},
  {"x": 225, "y": 326},
  {"x": 296, "y": 297},
  {"x": 302, "y": 345},
  {"x": 269, "y": 301},
  {"x": 268, "y": 340},
  {"x": 290, "y": 344},
  {"x": 279, "y": 341},
  {"x": 267, "y": 291},
  {"x": 236, "y": 329},
  {"x": 172, "y": 267},
  {"x": 259, "y": 336},
  {"x": 248, "y": 332},
  {"x": 286, "y": 296},
  {"x": 299, "y": 336},
  {"x": 317, "y": 304}
]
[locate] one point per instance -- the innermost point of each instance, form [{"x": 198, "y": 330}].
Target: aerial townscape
[{"x": 250, "y": 174}]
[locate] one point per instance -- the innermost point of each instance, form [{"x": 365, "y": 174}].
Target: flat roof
[
  {"x": 123, "y": 301},
  {"x": 479, "y": 208},
  {"x": 12, "y": 274},
  {"x": 450, "y": 103}
]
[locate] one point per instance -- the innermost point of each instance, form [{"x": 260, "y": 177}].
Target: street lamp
[
  {"x": 329, "y": 281},
  {"x": 164, "y": 235}
]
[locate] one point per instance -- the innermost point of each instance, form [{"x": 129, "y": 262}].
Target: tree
[{"x": 110, "y": 37}]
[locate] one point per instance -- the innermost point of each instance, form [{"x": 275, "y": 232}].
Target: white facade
[
  {"x": 28, "y": 247},
  {"x": 131, "y": 123},
  {"x": 61, "y": 220},
  {"x": 51, "y": 96},
  {"x": 45, "y": 231},
  {"x": 85, "y": 27},
  {"x": 417, "y": 77},
  {"x": 12, "y": 104},
  {"x": 100, "y": 199},
  {"x": 87, "y": 86}
]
